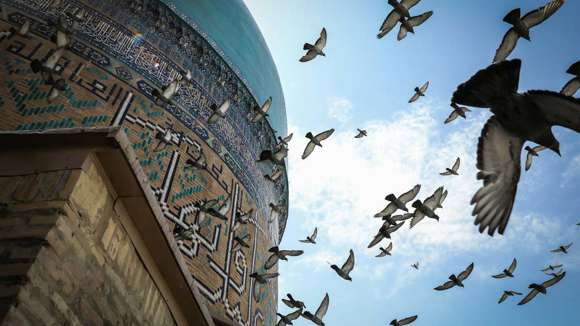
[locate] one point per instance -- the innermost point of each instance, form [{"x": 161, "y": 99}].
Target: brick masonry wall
[{"x": 70, "y": 262}]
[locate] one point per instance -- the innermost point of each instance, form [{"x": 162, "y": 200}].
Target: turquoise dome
[{"x": 230, "y": 27}]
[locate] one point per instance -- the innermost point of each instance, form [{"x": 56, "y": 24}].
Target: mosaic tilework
[{"x": 107, "y": 87}]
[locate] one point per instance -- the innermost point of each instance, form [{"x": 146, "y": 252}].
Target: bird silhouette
[
  {"x": 541, "y": 288},
  {"x": 260, "y": 112},
  {"x": 573, "y": 84},
  {"x": 456, "y": 280},
  {"x": 419, "y": 92},
  {"x": 317, "y": 317},
  {"x": 315, "y": 141},
  {"x": 517, "y": 118},
  {"x": 508, "y": 272},
  {"x": 311, "y": 238},
  {"x": 315, "y": 50},
  {"x": 346, "y": 268}
]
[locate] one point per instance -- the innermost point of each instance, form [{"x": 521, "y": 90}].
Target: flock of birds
[{"x": 517, "y": 118}]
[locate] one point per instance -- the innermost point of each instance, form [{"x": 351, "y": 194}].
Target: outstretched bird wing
[
  {"x": 294, "y": 315},
  {"x": 291, "y": 253},
  {"x": 554, "y": 280},
  {"x": 389, "y": 23},
  {"x": 323, "y": 135},
  {"x": 508, "y": 43},
  {"x": 418, "y": 20},
  {"x": 388, "y": 210},
  {"x": 504, "y": 296},
  {"x": 530, "y": 157},
  {"x": 321, "y": 42},
  {"x": 311, "y": 54},
  {"x": 513, "y": 266},
  {"x": 557, "y": 109},
  {"x": 308, "y": 150},
  {"x": 314, "y": 234},
  {"x": 414, "y": 98},
  {"x": 349, "y": 264},
  {"x": 407, "y": 320},
  {"x": 498, "y": 159},
  {"x": 433, "y": 201},
  {"x": 452, "y": 116},
  {"x": 321, "y": 311},
  {"x": 424, "y": 87},
  {"x": 410, "y": 195},
  {"x": 571, "y": 87},
  {"x": 456, "y": 164},
  {"x": 539, "y": 15},
  {"x": 532, "y": 294},
  {"x": 465, "y": 274},
  {"x": 409, "y": 3},
  {"x": 272, "y": 260},
  {"x": 376, "y": 240},
  {"x": 445, "y": 286}
]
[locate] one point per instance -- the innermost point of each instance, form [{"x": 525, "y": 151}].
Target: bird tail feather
[{"x": 489, "y": 85}]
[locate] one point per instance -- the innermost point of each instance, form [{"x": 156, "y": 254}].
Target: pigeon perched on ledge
[{"x": 517, "y": 118}]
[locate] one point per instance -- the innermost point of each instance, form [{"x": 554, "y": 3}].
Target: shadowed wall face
[{"x": 120, "y": 52}]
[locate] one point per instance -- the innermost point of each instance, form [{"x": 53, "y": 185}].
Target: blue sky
[{"x": 366, "y": 83}]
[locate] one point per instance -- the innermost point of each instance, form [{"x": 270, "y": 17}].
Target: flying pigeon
[
  {"x": 531, "y": 153},
  {"x": 219, "y": 112},
  {"x": 361, "y": 133},
  {"x": 456, "y": 280},
  {"x": 392, "y": 220},
  {"x": 415, "y": 265},
  {"x": 346, "y": 268},
  {"x": 320, "y": 312},
  {"x": 311, "y": 238},
  {"x": 385, "y": 251},
  {"x": 405, "y": 321},
  {"x": 168, "y": 92},
  {"x": 427, "y": 208},
  {"x": 419, "y": 91},
  {"x": 259, "y": 112},
  {"x": 551, "y": 268},
  {"x": 199, "y": 163},
  {"x": 507, "y": 294},
  {"x": 263, "y": 278},
  {"x": 276, "y": 157},
  {"x": 541, "y": 288},
  {"x": 407, "y": 25},
  {"x": 521, "y": 26},
  {"x": 573, "y": 85},
  {"x": 315, "y": 141},
  {"x": 517, "y": 118},
  {"x": 316, "y": 49},
  {"x": 293, "y": 303},
  {"x": 400, "y": 10},
  {"x": 508, "y": 272},
  {"x": 278, "y": 254},
  {"x": 556, "y": 274},
  {"x": 287, "y": 319},
  {"x": 384, "y": 232},
  {"x": 458, "y": 111},
  {"x": 399, "y": 202},
  {"x": 284, "y": 141},
  {"x": 22, "y": 31},
  {"x": 563, "y": 249},
  {"x": 454, "y": 168},
  {"x": 276, "y": 174}
]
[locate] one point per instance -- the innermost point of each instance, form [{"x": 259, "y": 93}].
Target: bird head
[
  {"x": 393, "y": 322},
  {"x": 273, "y": 249},
  {"x": 390, "y": 197},
  {"x": 309, "y": 135},
  {"x": 417, "y": 203},
  {"x": 334, "y": 267}
]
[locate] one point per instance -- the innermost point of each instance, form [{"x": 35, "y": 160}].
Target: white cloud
[
  {"x": 342, "y": 185},
  {"x": 339, "y": 109}
]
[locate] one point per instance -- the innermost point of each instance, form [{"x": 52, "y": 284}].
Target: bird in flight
[
  {"x": 311, "y": 238},
  {"x": 517, "y": 118},
  {"x": 458, "y": 111},
  {"x": 573, "y": 85},
  {"x": 293, "y": 303},
  {"x": 259, "y": 112},
  {"x": 507, "y": 294},
  {"x": 427, "y": 208},
  {"x": 384, "y": 232},
  {"x": 276, "y": 157},
  {"x": 361, "y": 133},
  {"x": 315, "y": 141},
  {"x": 278, "y": 254},
  {"x": 541, "y": 288},
  {"x": 456, "y": 280},
  {"x": 320, "y": 312},
  {"x": 563, "y": 248},
  {"x": 415, "y": 265},
  {"x": 521, "y": 26},
  {"x": 407, "y": 25},
  {"x": 263, "y": 278},
  {"x": 551, "y": 268},
  {"x": 400, "y": 10},
  {"x": 385, "y": 251},
  {"x": 453, "y": 169},
  {"x": 398, "y": 202},
  {"x": 532, "y": 151},
  {"x": 287, "y": 319},
  {"x": 346, "y": 268},
  {"x": 405, "y": 321},
  {"x": 219, "y": 112},
  {"x": 284, "y": 141},
  {"x": 392, "y": 220},
  {"x": 419, "y": 91},
  {"x": 508, "y": 272},
  {"x": 315, "y": 50}
]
